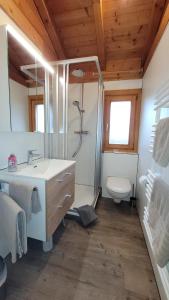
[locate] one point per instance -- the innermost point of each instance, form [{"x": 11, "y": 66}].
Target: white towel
[
  {"x": 26, "y": 196},
  {"x": 161, "y": 143},
  {"x": 13, "y": 236},
  {"x": 158, "y": 219}
]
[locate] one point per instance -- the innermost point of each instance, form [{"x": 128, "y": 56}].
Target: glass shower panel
[
  {"x": 98, "y": 156},
  {"x": 75, "y": 133},
  {"x": 57, "y": 112}
]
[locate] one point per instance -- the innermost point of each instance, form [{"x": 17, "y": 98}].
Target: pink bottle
[{"x": 12, "y": 163}]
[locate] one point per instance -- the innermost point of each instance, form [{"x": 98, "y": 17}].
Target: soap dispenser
[{"x": 12, "y": 163}]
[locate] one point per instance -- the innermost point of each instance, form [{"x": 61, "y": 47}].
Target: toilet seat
[{"x": 118, "y": 184}]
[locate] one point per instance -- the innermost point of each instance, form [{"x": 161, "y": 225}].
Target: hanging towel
[
  {"x": 161, "y": 143},
  {"x": 26, "y": 196},
  {"x": 158, "y": 218},
  {"x": 13, "y": 236}
]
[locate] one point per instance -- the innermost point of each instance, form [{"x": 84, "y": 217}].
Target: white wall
[
  {"x": 36, "y": 91},
  {"x": 120, "y": 164},
  {"x": 19, "y": 107},
  {"x": 85, "y": 167},
  {"x": 20, "y": 140},
  {"x": 156, "y": 75},
  {"x": 19, "y": 144},
  {"x": 123, "y": 84}
]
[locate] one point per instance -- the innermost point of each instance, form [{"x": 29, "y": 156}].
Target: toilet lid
[{"x": 119, "y": 185}]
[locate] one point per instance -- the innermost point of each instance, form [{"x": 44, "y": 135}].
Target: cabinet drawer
[
  {"x": 56, "y": 185},
  {"x": 59, "y": 198},
  {"x": 56, "y": 200},
  {"x": 56, "y": 213}
]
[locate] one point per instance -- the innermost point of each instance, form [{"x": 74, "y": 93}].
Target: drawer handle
[
  {"x": 59, "y": 180},
  {"x": 67, "y": 196},
  {"x": 68, "y": 174},
  {"x": 60, "y": 206}
]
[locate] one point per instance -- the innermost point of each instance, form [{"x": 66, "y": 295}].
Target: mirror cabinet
[{"x": 22, "y": 85}]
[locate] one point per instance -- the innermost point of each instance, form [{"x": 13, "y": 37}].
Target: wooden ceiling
[{"x": 122, "y": 33}]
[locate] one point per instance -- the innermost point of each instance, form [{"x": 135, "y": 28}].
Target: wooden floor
[{"x": 106, "y": 262}]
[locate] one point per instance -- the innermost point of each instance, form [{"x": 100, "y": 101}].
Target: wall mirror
[
  {"x": 26, "y": 89},
  {"x": 5, "y": 124}
]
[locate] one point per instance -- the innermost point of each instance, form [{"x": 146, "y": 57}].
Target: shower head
[
  {"x": 76, "y": 103},
  {"x": 78, "y": 73}
]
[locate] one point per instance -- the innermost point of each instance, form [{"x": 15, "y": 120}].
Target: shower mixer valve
[{"x": 81, "y": 132}]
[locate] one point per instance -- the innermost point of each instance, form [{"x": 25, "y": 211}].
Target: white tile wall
[
  {"x": 85, "y": 167},
  {"x": 120, "y": 165},
  {"x": 19, "y": 144},
  {"x": 111, "y": 162}
]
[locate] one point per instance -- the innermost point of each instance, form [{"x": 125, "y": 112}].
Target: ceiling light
[
  {"x": 24, "y": 43},
  {"x": 78, "y": 73}
]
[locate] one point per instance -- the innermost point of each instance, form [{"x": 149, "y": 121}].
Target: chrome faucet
[{"x": 31, "y": 155}]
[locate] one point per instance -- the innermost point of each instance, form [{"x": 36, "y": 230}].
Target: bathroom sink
[
  {"x": 43, "y": 169},
  {"x": 54, "y": 180}
]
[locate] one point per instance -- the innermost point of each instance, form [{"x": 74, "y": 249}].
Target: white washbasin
[{"x": 43, "y": 169}]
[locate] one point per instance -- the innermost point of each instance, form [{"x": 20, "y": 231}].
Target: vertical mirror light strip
[{"x": 24, "y": 43}]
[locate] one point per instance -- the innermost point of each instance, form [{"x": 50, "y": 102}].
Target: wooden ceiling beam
[
  {"x": 156, "y": 14},
  {"x": 108, "y": 76},
  {"x": 126, "y": 64},
  {"x": 98, "y": 17},
  {"x": 15, "y": 75},
  {"x": 50, "y": 27},
  {"x": 162, "y": 26},
  {"x": 24, "y": 21}
]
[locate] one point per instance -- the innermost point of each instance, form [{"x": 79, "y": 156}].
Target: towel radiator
[
  {"x": 161, "y": 101},
  {"x": 162, "y": 272}
]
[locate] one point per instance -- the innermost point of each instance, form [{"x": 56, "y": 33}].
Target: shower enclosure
[{"x": 74, "y": 122}]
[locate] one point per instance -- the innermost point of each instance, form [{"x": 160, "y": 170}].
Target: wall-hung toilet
[{"x": 118, "y": 188}]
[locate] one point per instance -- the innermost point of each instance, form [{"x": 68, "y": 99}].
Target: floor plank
[{"x": 108, "y": 261}]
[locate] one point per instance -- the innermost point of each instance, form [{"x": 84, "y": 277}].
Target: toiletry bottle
[{"x": 12, "y": 163}]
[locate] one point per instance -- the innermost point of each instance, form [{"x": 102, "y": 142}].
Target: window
[
  {"x": 122, "y": 109},
  {"x": 36, "y": 113},
  {"x": 39, "y": 113},
  {"x": 121, "y": 120}
]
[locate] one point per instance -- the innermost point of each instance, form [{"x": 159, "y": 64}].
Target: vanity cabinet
[
  {"x": 55, "y": 181},
  {"x": 59, "y": 198}
]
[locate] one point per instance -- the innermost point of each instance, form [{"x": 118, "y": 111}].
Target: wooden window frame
[
  {"x": 134, "y": 96},
  {"x": 33, "y": 100}
]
